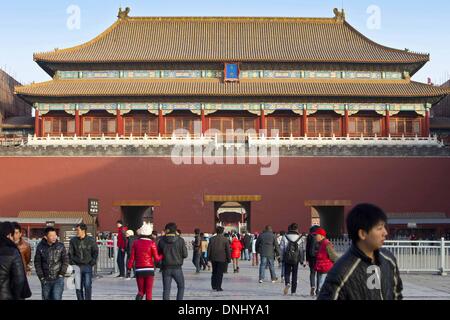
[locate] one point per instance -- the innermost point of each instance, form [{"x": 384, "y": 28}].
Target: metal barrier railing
[{"x": 413, "y": 256}]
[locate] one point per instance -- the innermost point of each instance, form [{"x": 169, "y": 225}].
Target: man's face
[
  {"x": 17, "y": 235},
  {"x": 51, "y": 237},
  {"x": 80, "y": 233},
  {"x": 374, "y": 239},
  {"x": 119, "y": 225}
]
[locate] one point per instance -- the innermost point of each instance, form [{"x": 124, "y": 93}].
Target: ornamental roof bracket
[
  {"x": 339, "y": 15},
  {"x": 123, "y": 14}
]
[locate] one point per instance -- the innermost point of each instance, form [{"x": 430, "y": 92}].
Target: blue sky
[{"x": 35, "y": 26}]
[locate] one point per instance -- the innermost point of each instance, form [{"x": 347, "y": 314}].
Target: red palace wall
[{"x": 65, "y": 184}]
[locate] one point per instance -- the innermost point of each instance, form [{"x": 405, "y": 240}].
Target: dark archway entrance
[
  {"x": 134, "y": 213},
  {"x": 329, "y": 214}
]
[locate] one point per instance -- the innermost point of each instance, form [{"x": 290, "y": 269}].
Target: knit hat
[
  {"x": 129, "y": 233},
  {"x": 146, "y": 229},
  {"x": 320, "y": 231}
]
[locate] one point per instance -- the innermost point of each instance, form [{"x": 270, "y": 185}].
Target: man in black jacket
[
  {"x": 174, "y": 251},
  {"x": 219, "y": 254},
  {"x": 83, "y": 252},
  {"x": 366, "y": 271},
  {"x": 247, "y": 241},
  {"x": 51, "y": 262},
  {"x": 197, "y": 250},
  {"x": 13, "y": 280}
]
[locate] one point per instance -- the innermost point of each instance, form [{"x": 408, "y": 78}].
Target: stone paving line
[{"x": 242, "y": 286}]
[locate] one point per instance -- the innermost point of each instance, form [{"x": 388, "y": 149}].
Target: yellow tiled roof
[
  {"x": 48, "y": 215},
  {"x": 215, "y": 87},
  {"x": 221, "y": 39}
]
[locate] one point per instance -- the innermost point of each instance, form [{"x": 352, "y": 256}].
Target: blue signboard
[{"x": 231, "y": 71}]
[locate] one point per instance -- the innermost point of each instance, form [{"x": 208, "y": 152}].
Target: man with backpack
[{"x": 293, "y": 253}]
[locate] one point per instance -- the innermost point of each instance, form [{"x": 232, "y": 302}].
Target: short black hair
[
  {"x": 364, "y": 216},
  {"x": 119, "y": 221},
  {"x": 82, "y": 226},
  {"x": 16, "y": 226},
  {"x": 6, "y": 229},
  {"x": 49, "y": 229},
  {"x": 219, "y": 229},
  {"x": 171, "y": 226},
  {"x": 268, "y": 228},
  {"x": 197, "y": 231},
  {"x": 293, "y": 227}
]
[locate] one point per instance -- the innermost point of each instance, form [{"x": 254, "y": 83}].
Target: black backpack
[{"x": 292, "y": 253}]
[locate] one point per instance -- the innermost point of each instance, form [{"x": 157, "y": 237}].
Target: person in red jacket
[
  {"x": 325, "y": 256},
  {"x": 144, "y": 254},
  {"x": 121, "y": 246},
  {"x": 236, "y": 248}
]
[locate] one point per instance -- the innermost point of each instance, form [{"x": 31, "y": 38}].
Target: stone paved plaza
[{"x": 243, "y": 286}]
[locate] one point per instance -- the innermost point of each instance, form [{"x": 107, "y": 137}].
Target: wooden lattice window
[
  {"x": 367, "y": 126},
  {"x": 59, "y": 125},
  {"x": 174, "y": 123},
  {"x": 286, "y": 126},
  {"x": 141, "y": 125},
  {"x": 325, "y": 126},
  {"x": 404, "y": 126},
  {"x": 99, "y": 125}
]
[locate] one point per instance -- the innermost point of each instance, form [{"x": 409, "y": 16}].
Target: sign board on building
[{"x": 93, "y": 207}]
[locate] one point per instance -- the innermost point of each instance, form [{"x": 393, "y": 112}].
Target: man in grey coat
[{"x": 267, "y": 246}]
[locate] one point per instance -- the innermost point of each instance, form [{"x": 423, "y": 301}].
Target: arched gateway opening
[{"x": 233, "y": 212}]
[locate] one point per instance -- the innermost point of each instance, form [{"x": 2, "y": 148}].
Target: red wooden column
[
  {"x": 161, "y": 129},
  {"x": 119, "y": 123},
  {"x": 262, "y": 119},
  {"x": 345, "y": 124},
  {"x": 304, "y": 123},
  {"x": 203, "y": 121},
  {"x": 387, "y": 121},
  {"x": 77, "y": 123},
  {"x": 36, "y": 123},
  {"x": 426, "y": 127}
]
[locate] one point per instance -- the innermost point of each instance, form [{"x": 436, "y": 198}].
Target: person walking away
[
  {"x": 204, "y": 250},
  {"x": 292, "y": 253},
  {"x": 325, "y": 257},
  {"x": 13, "y": 280},
  {"x": 173, "y": 249},
  {"x": 236, "y": 248},
  {"x": 220, "y": 256},
  {"x": 130, "y": 240},
  {"x": 143, "y": 255},
  {"x": 83, "y": 253},
  {"x": 311, "y": 251},
  {"x": 196, "y": 247},
  {"x": 255, "y": 260},
  {"x": 121, "y": 247},
  {"x": 23, "y": 246},
  {"x": 51, "y": 262},
  {"x": 366, "y": 271},
  {"x": 279, "y": 257},
  {"x": 247, "y": 245},
  {"x": 267, "y": 247}
]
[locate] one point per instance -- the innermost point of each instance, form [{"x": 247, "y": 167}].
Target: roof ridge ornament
[
  {"x": 339, "y": 15},
  {"x": 123, "y": 14}
]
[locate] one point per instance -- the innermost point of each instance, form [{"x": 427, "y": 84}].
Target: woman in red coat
[
  {"x": 236, "y": 248},
  {"x": 144, "y": 254}
]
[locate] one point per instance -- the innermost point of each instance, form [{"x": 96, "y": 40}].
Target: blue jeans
[
  {"x": 269, "y": 261},
  {"x": 322, "y": 277},
  {"x": 167, "y": 276},
  {"x": 53, "y": 289},
  {"x": 85, "y": 292},
  {"x": 246, "y": 255}
]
